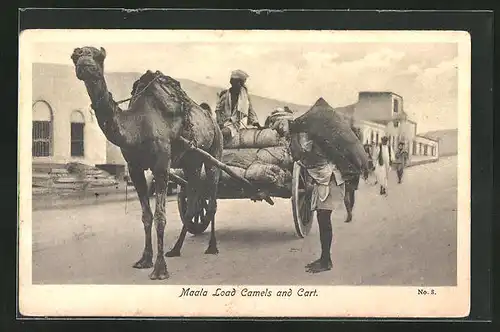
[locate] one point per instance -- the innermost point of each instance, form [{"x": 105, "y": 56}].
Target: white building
[{"x": 379, "y": 114}]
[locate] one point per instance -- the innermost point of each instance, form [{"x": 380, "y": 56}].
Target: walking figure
[
  {"x": 400, "y": 161},
  {"x": 382, "y": 164},
  {"x": 351, "y": 185}
]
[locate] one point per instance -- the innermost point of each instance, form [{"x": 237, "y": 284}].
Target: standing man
[
  {"x": 351, "y": 185},
  {"x": 234, "y": 109},
  {"x": 382, "y": 164},
  {"x": 327, "y": 194},
  {"x": 400, "y": 160}
]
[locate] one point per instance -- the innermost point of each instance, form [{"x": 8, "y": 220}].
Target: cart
[{"x": 299, "y": 191}]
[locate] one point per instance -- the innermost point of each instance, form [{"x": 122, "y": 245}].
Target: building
[
  {"x": 378, "y": 114},
  {"x": 64, "y": 126}
]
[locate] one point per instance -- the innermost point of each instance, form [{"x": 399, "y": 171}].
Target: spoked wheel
[
  {"x": 301, "y": 200},
  {"x": 199, "y": 223}
]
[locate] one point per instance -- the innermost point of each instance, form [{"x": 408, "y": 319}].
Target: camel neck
[{"x": 106, "y": 110}]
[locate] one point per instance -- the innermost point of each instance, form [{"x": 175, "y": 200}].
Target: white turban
[{"x": 239, "y": 74}]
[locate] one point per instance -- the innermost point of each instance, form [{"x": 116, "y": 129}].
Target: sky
[{"x": 424, "y": 74}]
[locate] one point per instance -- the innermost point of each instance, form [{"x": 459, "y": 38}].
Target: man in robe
[
  {"x": 400, "y": 161},
  {"x": 327, "y": 194},
  {"x": 383, "y": 160},
  {"x": 234, "y": 109}
]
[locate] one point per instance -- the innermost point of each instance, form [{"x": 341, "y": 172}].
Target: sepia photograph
[{"x": 266, "y": 173}]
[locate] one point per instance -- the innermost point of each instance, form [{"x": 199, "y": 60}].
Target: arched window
[
  {"x": 77, "y": 137},
  {"x": 42, "y": 130},
  {"x": 376, "y": 139},
  {"x": 371, "y": 136}
]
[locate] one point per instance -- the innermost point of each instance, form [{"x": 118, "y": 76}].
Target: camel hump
[{"x": 149, "y": 76}]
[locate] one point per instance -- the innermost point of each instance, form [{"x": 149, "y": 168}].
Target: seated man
[{"x": 234, "y": 109}]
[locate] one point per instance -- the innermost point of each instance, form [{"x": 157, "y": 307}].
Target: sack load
[
  {"x": 333, "y": 133},
  {"x": 281, "y": 125},
  {"x": 277, "y": 118},
  {"x": 239, "y": 157},
  {"x": 275, "y": 155},
  {"x": 254, "y": 138},
  {"x": 267, "y": 174}
]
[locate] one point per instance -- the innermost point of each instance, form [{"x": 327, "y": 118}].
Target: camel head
[{"x": 89, "y": 63}]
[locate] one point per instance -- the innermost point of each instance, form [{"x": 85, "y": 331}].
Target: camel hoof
[
  {"x": 212, "y": 251},
  {"x": 159, "y": 276},
  {"x": 144, "y": 263},
  {"x": 160, "y": 270},
  {"x": 173, "y": 253}
]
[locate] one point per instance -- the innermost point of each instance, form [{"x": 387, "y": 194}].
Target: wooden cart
[{"x": 298, "y": 191}]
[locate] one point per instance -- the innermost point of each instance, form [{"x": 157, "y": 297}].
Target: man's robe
[{"x": 235, "y": 113}]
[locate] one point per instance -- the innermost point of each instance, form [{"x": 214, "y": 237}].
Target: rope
[
  {"x": 280, "y": 159},
  {"x": 142, "y": 91}
]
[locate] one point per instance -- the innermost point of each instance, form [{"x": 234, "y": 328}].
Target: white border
[{"x": 355, "y": 301}]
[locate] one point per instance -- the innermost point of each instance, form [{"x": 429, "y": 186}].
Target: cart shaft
[{"x": 228, "y": 170}]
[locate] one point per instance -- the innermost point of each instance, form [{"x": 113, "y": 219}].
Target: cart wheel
[
  {"x": 301, "y": 200},
  {"x": 199, "y": 223}
]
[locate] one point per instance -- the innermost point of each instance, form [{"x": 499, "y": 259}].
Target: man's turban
[{"x": 239, "y": 74}]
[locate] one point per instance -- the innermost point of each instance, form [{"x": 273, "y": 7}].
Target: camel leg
[
  {"x": 212, "y": 178},
  {"x": 160, "y": 173},
  {"x": 192, "y": 171},
  {"x": 139, "y": 180},
  {"x": 176, "y": 250}
]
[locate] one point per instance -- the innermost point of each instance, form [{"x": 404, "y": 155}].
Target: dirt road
[{"x": 407, "y": 238}]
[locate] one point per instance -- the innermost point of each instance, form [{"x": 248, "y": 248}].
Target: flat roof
[
  {"x": 427, "y": 138},
  {"x": 379, "y": 93}
]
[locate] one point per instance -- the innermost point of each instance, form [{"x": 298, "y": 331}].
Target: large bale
[
  {"x": 266, "y": 174},
  {"x": 332, "y": 132},
  {"x": 239, "y": 157},
  {"x": 254, "y": 138},
  {"x": 276, "y": 155}
]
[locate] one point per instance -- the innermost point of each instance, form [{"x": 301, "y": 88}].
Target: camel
[{"x": 152, "y": 134}]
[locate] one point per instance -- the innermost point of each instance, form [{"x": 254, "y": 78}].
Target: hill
[{"x": 448, "y": 141}]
